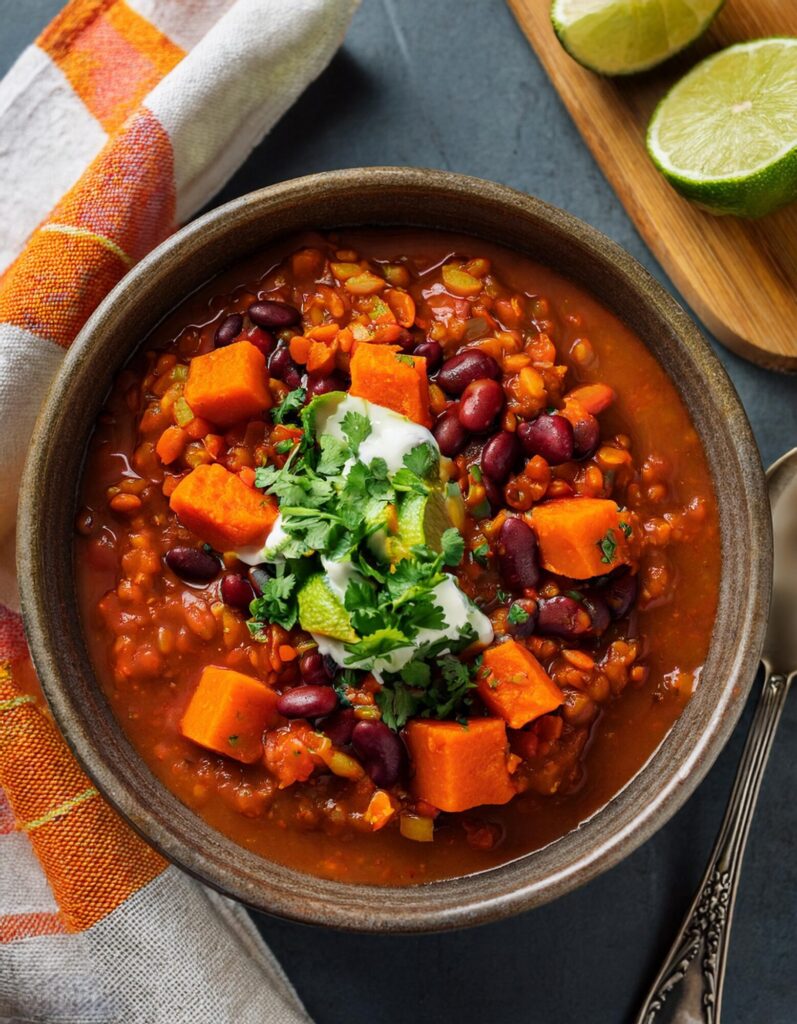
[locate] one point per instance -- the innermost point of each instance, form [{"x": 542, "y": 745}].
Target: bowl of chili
[{"x": 557, "y": 550}]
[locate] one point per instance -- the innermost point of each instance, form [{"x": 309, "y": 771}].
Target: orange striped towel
[{"x": 124, "y": 118}]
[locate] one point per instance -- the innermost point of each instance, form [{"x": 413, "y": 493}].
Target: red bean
[
  {"x": 340, "y": 725},
  {"x": 273, "y": 315},
  {"x": 494, "y": 493},
  {"x": 406, "y": 341},
  {"x": 258, "y": 577},
  {"x": 432, "y": 351},
  {"x": 586, "y": 436},
  {"x": 229, "y": 329},
  {"x": 323, "y": 385},
  {"x": 281, "y": 366},
  {"x": 563, "y": 616},
  {"x": 308, "y": 702},
  {"x": 381, "y": 751},
  {"x": 449, "y": 433},
  {"x": 524, "y": 606},
  {"x": 194, "y": 565},
  {"x": 264, "y": 341},
  {"x": 313, "y": 667},
  {"x": 598, "y": 611},
  {"x": 499, "y": 456},
  {"x": 620, "y": 593},
  {"x": 480, "y": 405},
  {"x": 550, "y": 436},
  {"x": 517, "y": 555},
  {"x": 466, "y": 367},
  {"x": 237, "y": 591}
]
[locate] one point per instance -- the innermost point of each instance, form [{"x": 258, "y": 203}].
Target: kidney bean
[
  {"x": 494, "y": 493},
  {"x": 432, "y": 351},
  {"x": 308, "y": 702},
  {"x": 323, "y": 385},
  {"x": 499, "y": 456},
  {"x": 406, "y": 341},
  {"x": 340, "y": 725},
  {"x": 258, "y": 577},
  {"x": 598, "y": 611},
  {"x": 449, "y": 433},
  {"x": 517, "y": 555},
  {"x": 264, "y": 341},
  {"x": 237, "y": 591},
  {"x": 194, "y": 565},
  {"x": 381, "y": 751},
  {"x": 563, "y": 616},
  {"x": 281, "y": 366},
  {"x": 480, "y": 405},
  {"x": 314, "y": 669},
  {"x": 620, "y": 593},
  {"x": 525, "y": 628},
  {"x": 273, "y": 315},
  {"x": 229, "y": 329},
  {"x": 548, "y": 435},
  {"x": 466, "y": 367},
  {"x": 586, "y": 437}
]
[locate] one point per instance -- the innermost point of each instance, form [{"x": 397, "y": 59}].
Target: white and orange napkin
[{"x": 117, "y": 125}]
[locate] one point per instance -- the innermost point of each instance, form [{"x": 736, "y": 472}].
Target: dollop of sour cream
[{"x": 392, "y": 437}]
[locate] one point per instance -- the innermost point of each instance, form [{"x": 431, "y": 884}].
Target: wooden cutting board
[{"x": 740, "y": 276}]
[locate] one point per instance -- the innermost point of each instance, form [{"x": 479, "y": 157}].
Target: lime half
[
  {"x": 726, "y": 135},
  {"x": 619, "y": 37}
]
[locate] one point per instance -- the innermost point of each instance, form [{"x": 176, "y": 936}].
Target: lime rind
[
  {"x": 625, "y": 37},
  {"x": 725, "y": 136}
]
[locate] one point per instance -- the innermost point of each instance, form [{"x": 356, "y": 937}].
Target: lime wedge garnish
[
  {"x": 322, "y": 612},
  {"x": 423, "y": 519},
  {"x": 726, "y": 135},
  {"x": 619, "y": 37}
]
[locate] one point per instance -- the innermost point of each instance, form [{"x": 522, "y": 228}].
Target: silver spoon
[{"x": 688, "y": 988}]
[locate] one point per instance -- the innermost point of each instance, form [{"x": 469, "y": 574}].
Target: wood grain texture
[{"x": 740, "y": 276}]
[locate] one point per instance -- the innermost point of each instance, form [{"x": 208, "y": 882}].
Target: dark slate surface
[{"x": 453, "y": 85}]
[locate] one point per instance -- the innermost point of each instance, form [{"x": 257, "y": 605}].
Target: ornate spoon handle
[{"x": 688, "y": 989}]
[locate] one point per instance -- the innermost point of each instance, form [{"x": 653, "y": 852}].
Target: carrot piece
[
  {"x": 593, "y": 398},
  {"x": 247, "y": 474},
  {"x": 299, "y": 348},
  {"x": 456, "y": 766},
  {"x": 389, "y": 378},
  {"x": 402, "y": 306},
  {"x": 229, "y": 384},
  {"x": 580, "y": 537},
  {"x": 221, "y": 509},
  {"x": 324, "y": 332},
  {"x": 229, "y": 713},
  {"x": 321, "y": 357},
  {"x": 171, "y": 444},
  {"x": 514, "y": 685}
]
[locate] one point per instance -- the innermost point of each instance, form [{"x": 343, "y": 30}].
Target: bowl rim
[{"x": 448, "y": 903}]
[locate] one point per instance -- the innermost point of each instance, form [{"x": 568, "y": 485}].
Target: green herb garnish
[
  {"x": 607, "y": 546},
  {"x": 517, "y": 614},
  {"x": 289, "y": 405}
]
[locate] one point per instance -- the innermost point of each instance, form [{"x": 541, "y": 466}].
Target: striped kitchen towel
[{"x": 123, "y": 119}]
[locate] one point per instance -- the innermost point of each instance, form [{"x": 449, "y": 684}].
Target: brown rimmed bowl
[{"x": 425, "y": 199}]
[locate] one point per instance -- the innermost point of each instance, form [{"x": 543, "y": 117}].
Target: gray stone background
[{"x": 454, "y": 85}]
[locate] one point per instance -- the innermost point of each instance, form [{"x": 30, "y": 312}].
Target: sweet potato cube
[
  {"x": 580, "y": 537},
  {"x": 229, "y": 384},
  {"x": 386, "y": 377},
  {"x": 514, "y": 685},
  {"x": 229, "y": 712},
  {"x": 460, "y": 766},
  {"x": 221, "y": 510}
]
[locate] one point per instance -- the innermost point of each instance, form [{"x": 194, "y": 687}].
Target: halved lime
[
  {"x": 423, "y": 519},
  {"x": 726, "y": 135},
  {"x": 619, "y": 37},
  {"x": 322, "y": 612}
]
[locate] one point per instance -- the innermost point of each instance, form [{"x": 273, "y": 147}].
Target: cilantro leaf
[
  {"x": 334, "y": 453},
  {"x": 289, "y": 405},
  {"x": 517, "y": 614},
  {"x": 277, "y": 602},
  {"x": 397, "y": 704},
  {"x": 453, "y": 547},
  {"x": 357, "y": 428},
  {"x": 422, "y": 460},
  {"x": 626, "y": 528},
  {"x": 607, "y": 546},
  {"x": 481, "y": 553},
  {"x": 375, "y": 646}
]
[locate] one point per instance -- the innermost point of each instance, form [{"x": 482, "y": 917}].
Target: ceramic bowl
[{"x": 427, "y": 199}]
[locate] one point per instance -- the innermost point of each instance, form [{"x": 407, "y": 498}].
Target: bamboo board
[{"x": 740, "y": 276}]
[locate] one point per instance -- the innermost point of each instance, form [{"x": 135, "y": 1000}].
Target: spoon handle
[{"x": 688, "y": 988}]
